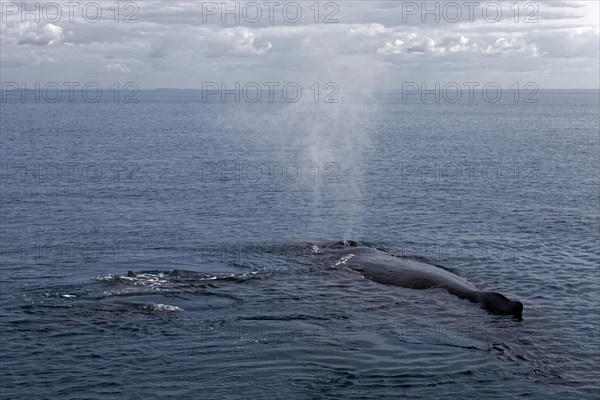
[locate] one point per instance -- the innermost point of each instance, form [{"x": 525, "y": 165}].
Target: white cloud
[
  {"x": 239, "y": 41},
  {"x": 120, "y": 68},
  {"x": 513, "y": 43},
  {"x": 437, "y": 44},
  {"x": 369, "y": 30},
  {"x": 569, "y": 42},
  {"x": 31, "y": 33},
  {"x": 172, "y": 46}
]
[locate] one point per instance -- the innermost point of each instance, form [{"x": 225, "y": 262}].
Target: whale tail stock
[{"x": 493, "y": 301}]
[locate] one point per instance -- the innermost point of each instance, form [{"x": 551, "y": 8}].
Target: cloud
[
  {"x": 36, "y": 34},
  {"x": 514, "y": 43},
  {"x": 120, "y": 68},
  {"x": 370, "y": 30},
  {"x": 413, "y": 43},
  {"x": 568, "y": 43},
  {"x": 171, "y": 45},
  {"x": 239, "y": 41}
]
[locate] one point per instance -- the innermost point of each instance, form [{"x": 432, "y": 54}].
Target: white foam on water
[{"x": 163, "y": 308}]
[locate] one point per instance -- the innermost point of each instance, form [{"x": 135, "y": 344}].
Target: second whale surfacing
[{"x": 416, "y": 273}]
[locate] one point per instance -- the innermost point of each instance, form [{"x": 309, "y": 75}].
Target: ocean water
[{"x": 219, "y": 208}]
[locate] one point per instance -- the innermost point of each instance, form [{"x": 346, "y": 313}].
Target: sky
[{"x": 359, "y": 45}]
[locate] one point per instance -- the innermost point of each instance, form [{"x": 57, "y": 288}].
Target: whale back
[
  {"x": 417, "y": 273},
  {"x": 405, "y": 272}
]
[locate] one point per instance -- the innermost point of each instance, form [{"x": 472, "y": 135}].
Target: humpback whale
[{"x": 417, "y": 273}]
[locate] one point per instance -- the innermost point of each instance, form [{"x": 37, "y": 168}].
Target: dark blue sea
[{"x": 219, "y": 209}]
